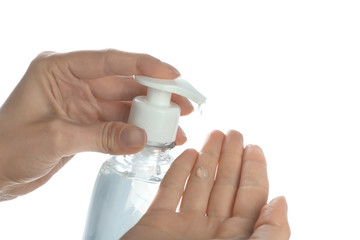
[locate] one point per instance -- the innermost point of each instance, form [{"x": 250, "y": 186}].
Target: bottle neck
[
  {"x": 150, "y": 164},
  {"x": 162, "y": 147},
  {"x": 153, "y": 154}
]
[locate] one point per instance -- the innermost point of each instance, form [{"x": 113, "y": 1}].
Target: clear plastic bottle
[
  {"x": 124, "y": 189},
  {"x": 126, "y": 185}
]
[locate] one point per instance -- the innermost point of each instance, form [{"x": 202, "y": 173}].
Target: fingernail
[
  {"x": 133, "y": 137},
  {"x": 173, "y": 69}
]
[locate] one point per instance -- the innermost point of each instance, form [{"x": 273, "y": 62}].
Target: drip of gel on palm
[{"x": 155, "y": 113}]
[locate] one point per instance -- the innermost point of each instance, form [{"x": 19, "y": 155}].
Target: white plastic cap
[{"x": 155, "y": 113}]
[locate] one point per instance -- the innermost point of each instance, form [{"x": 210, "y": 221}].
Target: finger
[
  {"x": 119, "y": 111},
  {"x": 201, "y": 180},
  {"x": 227, "y": 178},
  {"x": 96, "y": 64},
  {"x": 180, "y": 137},
  {"x": 185, "y": 105},
  {"x": 107, "y": 137},
  {"x": 253, "y": 189},
  {"x": 273, "y": 223},
  {"x": 172, "y": 186},
  {"x": 120, "y": 88},
  {"x": 114, "y": 110},
  {"x": 116, "y": 88}
]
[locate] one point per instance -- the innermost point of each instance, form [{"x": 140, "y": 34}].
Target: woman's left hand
[{"x": 225, "y": 196}]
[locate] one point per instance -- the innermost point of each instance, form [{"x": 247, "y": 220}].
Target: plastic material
[
  {"x": 126, "y": 185},
  {"x": 155, "y": 113},
  {"x": 124, "y": 189}
]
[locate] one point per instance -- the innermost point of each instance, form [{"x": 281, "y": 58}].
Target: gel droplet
[
  {"x": 202, "y": 173},
  {"x": 201, "y": 108}
]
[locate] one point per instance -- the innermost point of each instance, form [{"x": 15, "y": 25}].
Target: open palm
[{"x": 225, "y": 196}]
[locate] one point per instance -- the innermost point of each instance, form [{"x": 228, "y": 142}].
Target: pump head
[{"x": 155, "y": 113}]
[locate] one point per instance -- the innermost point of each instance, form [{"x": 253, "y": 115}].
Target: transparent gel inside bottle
[
  {"x": 126, "y": 185},
  {"x": 124, "y": 189}
]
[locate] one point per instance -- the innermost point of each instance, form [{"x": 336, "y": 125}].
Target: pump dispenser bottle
[{"x": 127, "y": 184}]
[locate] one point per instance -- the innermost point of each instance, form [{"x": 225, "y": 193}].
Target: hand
[
  {"x": 70, "y": 103},
  {"x": 233, "y": 206}
]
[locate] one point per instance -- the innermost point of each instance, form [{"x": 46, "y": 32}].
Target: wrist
[
  {"x": 4, "y": 196},
  {"x": 5, "y": 184},
  {"x": 6, "y": 189}
]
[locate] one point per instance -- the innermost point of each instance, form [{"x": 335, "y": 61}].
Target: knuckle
[
  {"x": 146, "y": 56},
  {"x": 142, "y": 58},
  {"x": 255, "y": 162},
  {"x": 229, "y": 181},
  {"x": 208, "y": 156},
  {"x": 235, "y": 153},
  {"x": 108, "y": 55},
  {"x": 254, "y": 175},
  {"x": 255, "y": 185},
  {"x": 109, "y": 50},
  {"x": 45, "y": 54},
  {"x": 44, "y": 57},
  {"x": 43, "y": 60},
  {"x": 107, "y": 139}
]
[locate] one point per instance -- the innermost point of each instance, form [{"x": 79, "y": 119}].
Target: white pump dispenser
[
  {"x": 156, "y": 113},
  {"x": 126, "y": 185}
]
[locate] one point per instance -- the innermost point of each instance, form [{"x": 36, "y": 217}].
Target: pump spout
[
  {"x": 159, "y": 97},
  {"x": 178, "y": 86},
  {"x": 155, "y": 113}
]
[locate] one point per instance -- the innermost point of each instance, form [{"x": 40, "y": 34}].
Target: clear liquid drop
[
  {"x": 201, "y": 108},
  {"x": 202, "y": 173}
]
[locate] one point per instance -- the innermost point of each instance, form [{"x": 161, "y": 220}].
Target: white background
[{"x": 284, "y": 73}]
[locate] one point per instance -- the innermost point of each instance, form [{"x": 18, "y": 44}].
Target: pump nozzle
[
  {"x": 178, "y": 86},
  {"x": 155, "y": 113}
]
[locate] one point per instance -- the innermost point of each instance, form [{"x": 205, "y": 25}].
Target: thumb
[
  {"x": 108, "y": 137},
  {"x": 272, "y": 222}
]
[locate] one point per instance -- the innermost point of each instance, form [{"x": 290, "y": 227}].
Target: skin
[
  {"x": 80, "y": 101},
  {"x": 70, "y": 103},
  {"x": 229, "y": 204}
]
